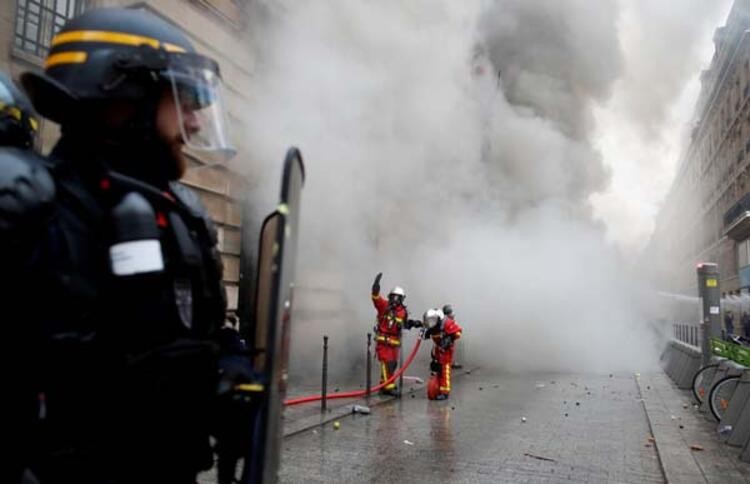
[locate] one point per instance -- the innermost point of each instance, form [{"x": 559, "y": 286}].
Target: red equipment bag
[{"x": 433, "y": 387}]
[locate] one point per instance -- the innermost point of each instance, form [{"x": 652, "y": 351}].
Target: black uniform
[
  {"x": 127, "y": 365},
  {"x": 117, "y": 281}
]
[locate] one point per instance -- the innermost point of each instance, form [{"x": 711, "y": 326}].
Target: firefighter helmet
[
  {"x": 448, "y": 310},
  {"x": 132, "y": 56},
  {"x": 397, "y": 291},
  {"x": 432, "y": 318},
  {"x": 18, "y": 123}
]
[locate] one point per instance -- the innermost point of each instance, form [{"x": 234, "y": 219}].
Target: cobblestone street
[{"x": 495, "y": 428}]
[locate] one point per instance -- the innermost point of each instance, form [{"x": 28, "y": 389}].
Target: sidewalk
[{"x": 677, "y": 426}]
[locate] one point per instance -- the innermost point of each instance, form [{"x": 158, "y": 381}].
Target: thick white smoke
[{"x": 459, "y": 185}]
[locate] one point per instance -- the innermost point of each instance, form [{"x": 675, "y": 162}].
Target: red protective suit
[
  {"x": 444, "y": 356},
  {"x": 390, "y": 322}
]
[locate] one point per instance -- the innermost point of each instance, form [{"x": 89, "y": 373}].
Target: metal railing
[{"x": 687, "y": 333}]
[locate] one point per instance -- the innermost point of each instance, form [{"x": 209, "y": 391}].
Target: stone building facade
[{"x": 706, "y": 215}]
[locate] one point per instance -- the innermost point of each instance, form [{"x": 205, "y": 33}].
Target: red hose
[{"x": 359, "y": 393}]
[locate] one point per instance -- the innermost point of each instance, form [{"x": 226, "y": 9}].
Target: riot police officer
[
  {"x": 18, "y": 122},
  {"x": 128, "y": 333},
  {"x": 26, "y": 193}
]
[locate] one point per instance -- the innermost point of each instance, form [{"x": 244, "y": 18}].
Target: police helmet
[
  {"x": 132, "y": 55},
  {"x": 448, "y": 310},
  {"x": 18, "y": 123}
]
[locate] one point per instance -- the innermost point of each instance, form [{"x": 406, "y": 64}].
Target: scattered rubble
[{"x": 539, "y": 457}]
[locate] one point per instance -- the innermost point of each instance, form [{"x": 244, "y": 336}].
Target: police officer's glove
[
  {"x": 238, "y": 390},
  {"x": 376, "y": 284}
]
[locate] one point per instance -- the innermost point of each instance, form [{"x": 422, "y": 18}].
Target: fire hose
[{"x": 358, "y": 393}]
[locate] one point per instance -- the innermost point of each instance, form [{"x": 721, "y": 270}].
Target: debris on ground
[
  {"x": 496, "y": 386},
  {"x": 539, "y": 385},
  {"x": 413, "y": 396},
  {"x": 696, "y": 447},
  {"x": 335, "y": 390},
  {"x": 538, "y": 457},
  {"x": 651, "y": 439},
  {"x": 673, "y": 417},
  {"x": 682, "y": 426},
  {"x": 578, "y": 403},
  {"x": 453, "y": 408},
  {"x": 336, "y": 425},
  {"x": 364, "y": 410},
  {"x": 648, "y": 387},
  {"x": 480, "y": 389},
  {"x": 523, "y": 419},
  {"x": 725, "y": 430},
  {"x": 408, "y": 442},
  {"x": 610, "y": 375},
  {"x": 648, "y": 445},
  {"x": 684, "y": 405},
  {"x": 566, "y": 414}
]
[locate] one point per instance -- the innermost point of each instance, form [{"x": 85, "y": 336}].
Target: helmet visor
[{"x": 196, "y": 85}]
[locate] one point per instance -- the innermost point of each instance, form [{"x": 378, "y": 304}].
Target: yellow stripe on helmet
[
  {"x": 112, "y": 38},
  {"x": 65, "y": 58}
]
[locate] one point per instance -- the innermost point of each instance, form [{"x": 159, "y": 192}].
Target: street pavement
[{"x": 495, "y": 428}]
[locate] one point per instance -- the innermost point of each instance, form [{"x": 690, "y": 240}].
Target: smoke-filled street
[
  {"x": 494, "y": 428},
  {"x": 619, "y": 428}
]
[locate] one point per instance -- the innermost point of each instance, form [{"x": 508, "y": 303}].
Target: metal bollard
[
  {"x": 401, "y": 365},
  {"x": 324, "y": 383},
  {"x": 368, "y": 377}
]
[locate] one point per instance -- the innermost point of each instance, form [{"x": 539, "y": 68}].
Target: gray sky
[{"x": 641, "y": 129}]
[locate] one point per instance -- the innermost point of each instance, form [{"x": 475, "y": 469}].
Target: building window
[
  {"x": 743, "y": 253},
  {"x": 37, "y": 21}
]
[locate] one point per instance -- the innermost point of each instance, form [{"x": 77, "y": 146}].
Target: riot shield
[{"x": 268, "y": 332}]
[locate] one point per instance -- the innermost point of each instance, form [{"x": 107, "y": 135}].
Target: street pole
[
  {"x": 708, "y": 291},
  {"x": 401, "y": 365},
  {"x": 324, "y": 383},
  {"x": 368, "y": 377}
]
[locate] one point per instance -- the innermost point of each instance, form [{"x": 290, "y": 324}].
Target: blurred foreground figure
[
  {"x": 444, "y": 332},
  {"x": 125, "y": 350},
  {"x": 26, "y": 194},
  {"x": 392, "y": 317},
  {"x": 18, "y": 122}
]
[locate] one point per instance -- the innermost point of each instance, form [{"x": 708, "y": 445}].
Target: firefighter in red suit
[
  {"x": 444, "y": 332},
  {"x": 391, "y": 319}
]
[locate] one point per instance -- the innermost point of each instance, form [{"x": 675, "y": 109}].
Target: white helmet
[
  {"x": 432, "y": 318},
  {"x": 397, "y": 291}
]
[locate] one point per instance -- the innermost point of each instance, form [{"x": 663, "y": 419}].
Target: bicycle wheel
[
  {"x": 721, "y": 394},
  {"x": 701, "y": 382}
]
